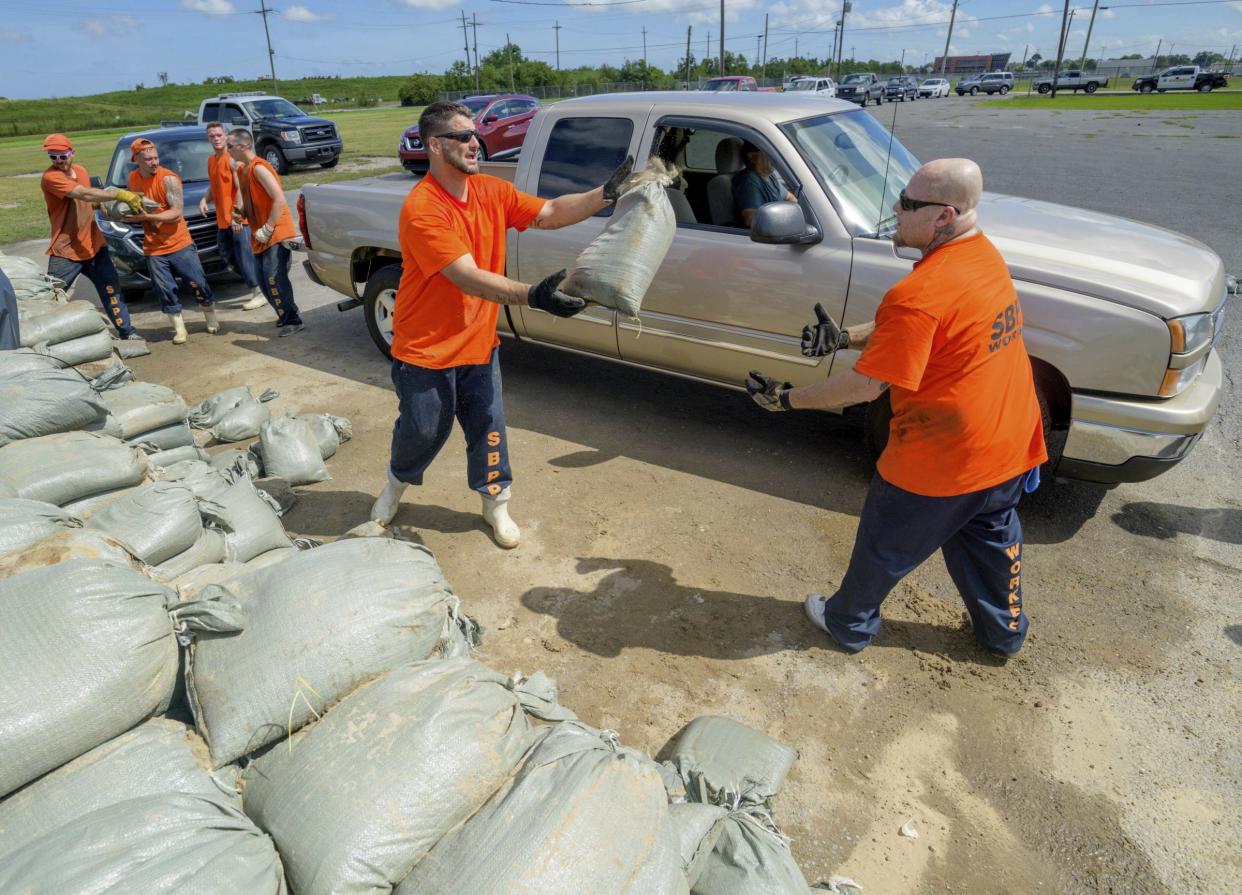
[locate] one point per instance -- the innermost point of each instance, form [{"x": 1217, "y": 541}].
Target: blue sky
[{"x": 72, "y": 47}]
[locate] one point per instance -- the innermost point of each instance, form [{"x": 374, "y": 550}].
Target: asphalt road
[{"x": 671, "y": 531}]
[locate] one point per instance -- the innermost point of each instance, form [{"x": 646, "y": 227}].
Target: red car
[{"x": 501, "y": 120}]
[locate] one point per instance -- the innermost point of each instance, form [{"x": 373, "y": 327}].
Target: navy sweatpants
[
  {"x": 184, "y": 265},
  {"x": 429, "y": 402},
  {"x": 103, "y": 276},
  {"x": 979, "y": 535}
]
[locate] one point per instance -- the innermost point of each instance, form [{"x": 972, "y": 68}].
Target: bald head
[{"x": 956, "y": 181}]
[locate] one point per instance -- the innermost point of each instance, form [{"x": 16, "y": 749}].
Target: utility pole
[
  {"x": 557, "y": 29},
  {"x": 1056, "y": 71},
  {"x": 765, "y": 44},
  {"x": 845, "y": 8},
  {"x": 795, "y": 48},
  {"x": 1155, "y": 62},
  {"x": 509, "y": 53},
  {"x": 944, "y": 60},
  {"x": 271, "y": 54},
  {"x": 644, "y": 57},
  {"x": 465, "y": 36},
  {"x": 722, "y": 58},
  {"x": 1082, "y": 63},
  {"x": 474, "y": 19},
  {"x": 1025, "y": 51},
  {"x": 758, "y": 44},
  {"x": 707, "y": 45},
  {"x": 688, "y": 27}
]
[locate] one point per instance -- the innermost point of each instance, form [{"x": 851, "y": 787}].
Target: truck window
[
  {"x": 234, "y": 115},
  {"x": 582, "y": 153},
  {"x": 211, "y": 112}
]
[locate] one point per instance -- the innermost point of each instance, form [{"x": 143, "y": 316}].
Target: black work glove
[
  {"x": 823, "y": 337},
  {"x": 546, "y": 297},
  {"x": 767, "y": 392},
  {"x": 612, "y": 186}
]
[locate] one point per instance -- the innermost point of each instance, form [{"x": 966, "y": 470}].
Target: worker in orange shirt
[
  {"x": 77, "y": 245},
  {"x": 263, "y": 200},
  {"x": 232, "y": 230},
  {"x": 444, "y": 345},
  {"x": 966, "y": 439},
  {"x": 166, "y": 240}
]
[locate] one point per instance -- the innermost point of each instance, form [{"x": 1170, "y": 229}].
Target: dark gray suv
[{"x": 902, "y": 87}]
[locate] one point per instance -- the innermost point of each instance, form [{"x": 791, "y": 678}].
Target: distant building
[{"x": 969, "y": 65}]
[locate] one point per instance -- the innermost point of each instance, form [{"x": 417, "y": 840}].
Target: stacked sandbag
[
  {"x": 142, "y": 407},
  {"x": 46, "y": 402},
  {"x": 330, "y": 431},
  {"x": 317, "y": 625},
  {"x": 25, "y": 522},
  {"x": 581, "y": 814},
  {"x": 69, "y": 466},
  {"x": 214, "y": 409},
  {"x": 30, "y": 281},
  {"x": 23, "y": 360},
  {"x": 54, "y": 323},
  {"x": 63, "y": 546},
  {"x": 730, "y": 773},
  {"x": 155, "y": 523},
  {"x": 355, "y": 800},
  {"x": 289, "y": 449},
  {"x": 161, "y": 844},
  {"x": 87, "y": 651}
]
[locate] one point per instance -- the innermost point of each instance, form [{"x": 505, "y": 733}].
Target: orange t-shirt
[
  {"x": 222, "y": 180},
  {"x": 170, "y": 236},
  {"x": 435, "y": 324},
  {"x": 948, "y": 341},
  {"x": 75, "y": 235},
  {"x": 261, "y": 206}
]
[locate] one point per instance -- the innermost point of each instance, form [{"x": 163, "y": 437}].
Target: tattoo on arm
[{"x": 172, "y": 192}]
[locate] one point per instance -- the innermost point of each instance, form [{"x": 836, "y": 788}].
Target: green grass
[
  {"x": 1219, "y": 100},
  {"x": 367, "y": 133},
  {"x": 136, "y": 108}
]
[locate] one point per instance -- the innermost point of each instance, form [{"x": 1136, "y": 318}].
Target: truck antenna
[{"x": 888, "y": 158}]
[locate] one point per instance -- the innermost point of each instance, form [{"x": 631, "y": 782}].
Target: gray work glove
[
  {"x": 824, "y": 337},
  {"x": 612, "y": 186},
  {"x": 544, "y": 296},
  {"x": 767, "y": 392}
]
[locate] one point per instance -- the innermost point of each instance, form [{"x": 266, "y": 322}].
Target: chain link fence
[{"x": 570, "y": 90}]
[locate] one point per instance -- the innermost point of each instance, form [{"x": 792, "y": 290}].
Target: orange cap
[
  {"x": 138, "y": 145},
  {"x": 57, "y": 143}
]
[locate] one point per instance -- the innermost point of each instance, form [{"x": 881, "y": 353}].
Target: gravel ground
[{"x": 671, "y": 532}]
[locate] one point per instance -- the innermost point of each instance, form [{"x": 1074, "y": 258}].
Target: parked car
[
  {"x": 283, "y": 134},
  {"x": 1074, "y": 80},
  {"x": 184, "y": 151},
  {"x": 1181, "y": 77},
  {"x": 992, "y": 82},
  {"x": 968, "y": 84},
  {"x": 902, "y": 87},
  {"x": 501, "y": 119},
  {"x": 934, "y": 87},
  {"x": 739, "y": 83},
  {"x": 825, "y": 87},
  {"x": 860, "y": 87},
  {"x": 1120, "y": 318}
]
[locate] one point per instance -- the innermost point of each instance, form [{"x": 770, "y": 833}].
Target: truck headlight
[
  {"x": 113, "y": 228},
  {"x": 1190, "y": 333},
  {"x": 293, "y": 136},
  {"x": 1190, "y": 340}
]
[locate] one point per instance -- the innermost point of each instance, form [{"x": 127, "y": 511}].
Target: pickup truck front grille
[
  {"x": 319, "y": 132},
  {"x": 203, "y": 232}
]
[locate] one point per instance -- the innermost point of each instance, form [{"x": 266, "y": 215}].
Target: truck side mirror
[
  {"x": 782, "y": 223},
  {"x": 96, "y": 182},
  {"x": 490, "y": 119}
]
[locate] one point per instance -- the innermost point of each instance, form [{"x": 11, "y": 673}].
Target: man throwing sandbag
[{"x": 444, "y": 346}]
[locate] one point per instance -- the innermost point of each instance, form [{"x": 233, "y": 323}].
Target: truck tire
[
  {"x": 1044, "y": 88},
  {"x": 1004, "y": 89},
  {"x": 1147, "y": 88},
  {"x": 378, "y": 303},
  {"x": 974, "y": 91},
  {"x": 273, "y": 156},
  {"x": 1091, "y": 87},
  {"x": 1205, "y": 87},
  {"x": 331, "y": 164}
]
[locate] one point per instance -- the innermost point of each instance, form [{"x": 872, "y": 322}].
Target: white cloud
[
  {"x": 100, "y": 27},
  {"x": 95, "y": 27},
  {"x": 1044, "y": 8},
  {"x": 430, "y": 4},
  {"x": 299, "y": 13},
  {"x": 13, "y": 37},
  {"x": 210, "y": 7}
]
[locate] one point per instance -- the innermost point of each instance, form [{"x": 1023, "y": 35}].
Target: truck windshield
[
  {"x": 854, "y": 79},
  {"x": 804, "y": 85},
  {"x": 273, "y": 108},
  {"x": 185, "y": 158},
  {"x": 720, "y": 85},
  {"x": 857, "y": 162}
]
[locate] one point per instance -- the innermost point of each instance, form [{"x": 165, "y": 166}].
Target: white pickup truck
[
  {"x": 1074, "y": 80},
  {"x": 1120, "y": 317}
]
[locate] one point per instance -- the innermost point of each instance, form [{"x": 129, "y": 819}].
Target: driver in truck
[
  {"x": 444, "y": 346},
  {"x": 966, "y": 439}
]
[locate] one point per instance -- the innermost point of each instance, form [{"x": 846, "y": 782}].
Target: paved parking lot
[{"x": 673, "y": 529}]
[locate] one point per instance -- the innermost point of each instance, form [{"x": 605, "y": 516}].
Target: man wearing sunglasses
[
  {"x": 444, "y": 346},
  {"x": 966, "y": 439},
  {"x": 77, "y": 245}
]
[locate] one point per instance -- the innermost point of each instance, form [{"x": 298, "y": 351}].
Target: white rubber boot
[
  {"x": 496, "y": 514},
  {"x": 385, "y": 507},
  {"x": 213, "y": 324},
  {"x": 179, "y": 333},
  {"x": 255, "y": 301}
]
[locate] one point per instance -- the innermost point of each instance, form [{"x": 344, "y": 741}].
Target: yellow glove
[{"x": 130, "y": 198}]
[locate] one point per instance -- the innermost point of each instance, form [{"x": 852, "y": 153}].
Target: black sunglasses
[
  {"x": 908, "y": 204},
  {"x": 459, "y": 136}
]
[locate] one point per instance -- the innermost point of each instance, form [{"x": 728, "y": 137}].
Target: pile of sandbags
[
  {"x": 46, "y": 401},
  {"x": 72, "y": 332}
]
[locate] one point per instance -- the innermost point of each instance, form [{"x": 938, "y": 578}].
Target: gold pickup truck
[{"x": 1120, "y": 317}]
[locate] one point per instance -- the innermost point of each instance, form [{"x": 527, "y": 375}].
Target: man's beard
[{"x": 462, "y": 165}]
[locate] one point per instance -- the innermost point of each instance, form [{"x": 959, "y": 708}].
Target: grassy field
[
  {"x": 136, "y": 108},
  {"x": 1217, "y": 101},
  {"x": 367, "y": 133}
]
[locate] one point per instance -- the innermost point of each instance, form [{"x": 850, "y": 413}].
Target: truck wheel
[
  {"x": 1204, "y": 88},
  {"x": 331, "y": 164},
  {"x": 1146, "y": 88},
  {"x": 1004, "y": 89},
  {"x": 274, "y": 157},
  {"x": 1045, "y": 88},
  {"x": 379, "y": 302},
  {"x": 1092, "y": 87},
  {"x": 974, "y": 91}
]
